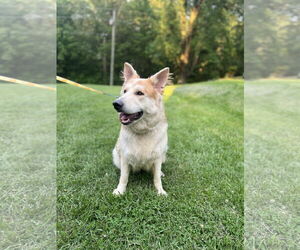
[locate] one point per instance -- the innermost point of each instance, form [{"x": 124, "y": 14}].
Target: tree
[{"x": 197, "y": 39}]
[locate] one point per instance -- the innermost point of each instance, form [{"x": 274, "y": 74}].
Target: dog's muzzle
[
  {"x": 126, "y": 118},
  {"x": 118, "y": 105}
]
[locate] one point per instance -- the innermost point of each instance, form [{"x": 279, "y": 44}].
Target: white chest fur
[{"x": 142, "y": 150}]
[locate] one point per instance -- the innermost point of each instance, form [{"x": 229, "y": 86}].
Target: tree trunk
[
  {"x": 183, "y": 61},
  {"x": 182, "y": 76},
  {"x": 186, "y": 43},
  {"x": 185, "y": 57}
]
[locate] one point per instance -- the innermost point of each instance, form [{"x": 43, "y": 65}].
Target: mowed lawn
[
  {"x": 272, "y": 164},
  {"x": 203, "y": 173}
]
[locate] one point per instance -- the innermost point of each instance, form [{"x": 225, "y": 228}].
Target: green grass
[
  {"x": 203, "y": 173},
  {"x": 27, "y": 167},
  {"x": 272, "y": 173}
]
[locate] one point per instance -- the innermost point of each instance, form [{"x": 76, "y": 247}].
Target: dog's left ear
[{"x": 160, "y": 79}]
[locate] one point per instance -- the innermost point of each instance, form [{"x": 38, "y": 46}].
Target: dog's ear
[
  {"x": 129, "y": 72},
  {"x": 160, "y": 79}
]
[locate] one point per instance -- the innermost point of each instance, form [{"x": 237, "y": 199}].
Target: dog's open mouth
[{"x": 126, "y": 119}]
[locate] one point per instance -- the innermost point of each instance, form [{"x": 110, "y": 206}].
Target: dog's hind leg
[
  {"x": 161, "y": 172},
  {"x": 116, "y": 158},
  {"x": 157, "y": 178},
  {"x": 163, "y": 161},
  {"x": 163, "y": 158}
]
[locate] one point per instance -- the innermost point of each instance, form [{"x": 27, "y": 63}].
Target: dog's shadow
[{"x": 139, "y": 179}]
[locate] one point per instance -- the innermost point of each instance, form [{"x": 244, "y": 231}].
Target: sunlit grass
[{"x": 204, "y": 173}]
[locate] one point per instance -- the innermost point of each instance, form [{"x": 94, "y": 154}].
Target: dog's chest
[{"x": 141, "y": 151}]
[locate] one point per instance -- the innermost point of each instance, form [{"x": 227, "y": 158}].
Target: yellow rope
[
  {"x": 13, "y": 80},
  {"x": 61, "y": 79},
  {"x": 168, "y": 92}
]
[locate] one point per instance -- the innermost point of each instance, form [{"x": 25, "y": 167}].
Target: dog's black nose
[{"x": 118, "y": 104}]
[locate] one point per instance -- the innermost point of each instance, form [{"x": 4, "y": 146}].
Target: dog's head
[{"x": 140, "y": 97}]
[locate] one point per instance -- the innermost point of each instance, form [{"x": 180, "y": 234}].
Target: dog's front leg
[
  {"x": 157, "y": 178},
  {"x": 123, "y": 178}
]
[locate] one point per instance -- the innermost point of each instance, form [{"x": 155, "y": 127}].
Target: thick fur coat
[{"x": 142, "y": 143}]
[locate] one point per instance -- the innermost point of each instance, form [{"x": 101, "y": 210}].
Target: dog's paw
[
  {"x": 162, "y": 193},
  {"x": 162, "y": 174},
  {"x": 118, "y": 192}
]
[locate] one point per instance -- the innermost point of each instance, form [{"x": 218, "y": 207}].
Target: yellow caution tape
[
  {"x": 13, "y": 80},
  {"x": 168, "y": 91},
  {"x": 61, "y": 79}
]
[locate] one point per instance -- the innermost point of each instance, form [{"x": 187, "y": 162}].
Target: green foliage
[
  {"x": 27, "y": 40},
  {"x": 151, "y": 34},
  {"x": 203, "y": 174},
  {"x": 272, "y": 38}
]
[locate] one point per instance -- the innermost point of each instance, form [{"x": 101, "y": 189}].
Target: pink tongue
[{"x": 126, "y": 118}]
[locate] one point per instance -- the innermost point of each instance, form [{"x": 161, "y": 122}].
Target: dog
[{"x": 143, "y": 139}]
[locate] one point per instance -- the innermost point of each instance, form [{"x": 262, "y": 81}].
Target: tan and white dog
[{"x": 143, "y": 140}]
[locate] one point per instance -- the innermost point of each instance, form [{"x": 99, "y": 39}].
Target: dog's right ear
[{"x": 129, "y": 72}]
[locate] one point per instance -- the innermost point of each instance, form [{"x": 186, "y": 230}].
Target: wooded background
[{"x": 197, "y": 39}]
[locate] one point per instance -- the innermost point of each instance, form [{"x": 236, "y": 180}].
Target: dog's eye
[
  {"x": 125, "y": 91},
  {"x": 139, "y": 93}
]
